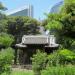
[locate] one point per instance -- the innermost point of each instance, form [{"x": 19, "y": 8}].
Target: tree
[
  {"x": 3, "y": 18},
  {"x": 22, "y": 26},
  {"x": 3, "y": 24},
  {"x": 63, "y": 24},
  {"x": 68, "y": 21},
  {"x": 1, "y": 6}
]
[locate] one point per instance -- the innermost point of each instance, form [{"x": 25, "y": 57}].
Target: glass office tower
[
  {"x": 56, "y": 7},
  {"x": 26, "y": 10}
]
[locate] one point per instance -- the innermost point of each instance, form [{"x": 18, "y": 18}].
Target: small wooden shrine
[{"x": 30, "y": 43}]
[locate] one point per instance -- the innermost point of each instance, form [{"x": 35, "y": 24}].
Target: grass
[
  {"x": 23, "y": 72},
  {"x": 59, "y": 70},
  {"x": 20, "y": 72}
]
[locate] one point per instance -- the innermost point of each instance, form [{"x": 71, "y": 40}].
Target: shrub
[
  {"x": 53, "y": 59},
  {"x": 6, "y": 40},
  {"x": 59, "y": 70},
  {"x": 64, "y": 56},
  {"x": 6, "y": 57},
  {"x": 38, "y": 62}
]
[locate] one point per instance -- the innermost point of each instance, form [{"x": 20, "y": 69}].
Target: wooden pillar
[{"x": 16, "y": 54}]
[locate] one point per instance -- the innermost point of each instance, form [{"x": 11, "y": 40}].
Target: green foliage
[
  {"x": 39, "y": 62},
  {"x": 69, "y": 1},
  {"x": 2, "y": 16},
  {"x": 22, "y": 72},
  {"x": 68, "y": 7},
  {"x": 61, "y": 57},
  {"x": 1, "y": 6},
  {"x": 66, "y": 56},
  {"x": 53, "y": 21},
  {"x": 22, "y": 26},
  {"x": 53, "y": 59},
  {"x": 54, "y": 62},
  {"x": 6, "y": 57},
  {"x": 59, "y": 70},
  {"x": 63, "y": 24},
  {"x": 3, "y": 25},
  {"x": 67, "y": 42},
  {"x": 58, "y": 58},
  {"x": 54, "y": 25},
  {"x": 6, "y": 40}
]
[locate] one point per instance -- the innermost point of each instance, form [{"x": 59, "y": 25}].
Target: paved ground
[{"x": 22, "y": 67}]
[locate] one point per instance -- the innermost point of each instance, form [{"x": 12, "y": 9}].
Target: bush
[
  {"x": 6, "y": 40},
  {"x": 56, "y": 61},
  {"x": 59, "y": 70},
  {"x": 64, "y": 56},
  {"x": 6, "y": 57},
  {"x": 53, "y": 59},
  {"x": 39, "y": 62}
]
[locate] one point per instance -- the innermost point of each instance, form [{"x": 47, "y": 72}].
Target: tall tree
[
  {"x": 2, "y": 19},
  {"x": 1, "y": 6},
  {"x": 63, "y": 24},
  {"x": 22, "y": 26}
]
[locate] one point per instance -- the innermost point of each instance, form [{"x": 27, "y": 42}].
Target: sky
[{"x": 40, "y": 6}]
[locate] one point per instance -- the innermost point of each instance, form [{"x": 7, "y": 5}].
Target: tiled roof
[
  {"x": 48, "y": 41},
  {"x": 20, "y": 45},
  {"x": 37, "y": 39}
]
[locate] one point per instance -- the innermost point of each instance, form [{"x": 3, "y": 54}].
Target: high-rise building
[
  {"x": 56, "y": 7},
  {"x": 26, "y": 10}
]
